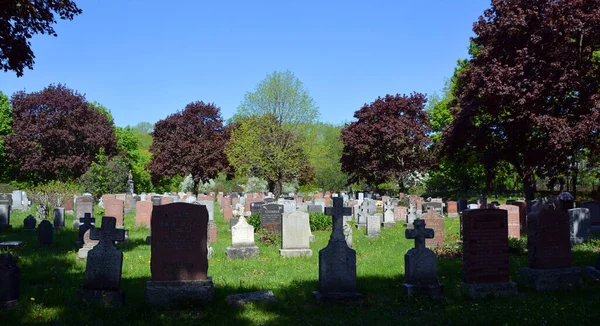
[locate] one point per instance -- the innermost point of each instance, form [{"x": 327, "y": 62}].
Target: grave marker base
[
  {"x": 389, "y": 225},
  {"x": 165, "y": 293},
  {"x": 295, "y": 252},
  {"x": 8, "y": 245},
  {"x": 592, "y": 273},
  {"x": 241, "y": 299},
  {"x": 482, "y": 290},
  {"x": 339, "y": 297},
  {"x": 452, "y": 215},
  {"x": 551, "y": 279},
  {"x": 242, "y": 252},
  {"x": 430, "y": 290},
  {"x": 111, "y": 298}
]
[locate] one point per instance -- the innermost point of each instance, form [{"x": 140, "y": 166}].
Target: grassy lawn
[{"x": 51, "y": 276}]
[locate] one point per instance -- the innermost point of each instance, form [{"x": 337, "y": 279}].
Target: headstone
[
  {"x": 549, "y": 251},
  {"x": 59, "y": 218},
  {"x": 388, "y": 217},
  {"x": 373, "y": 226},
  {"x": 143, "y": 213},
  {"x": 594, "y": 208},
  {"x": 164, "y": 200},
  {"x": 85, "y": 204},
  {"x": 361, "y": 196},
  {"x": 435, "y": 221},
  {"x": 116, "y": 209},
  {"x": 85, "y": 223},
  {"x": 320, "y": 202},
  {"x": 212, "y": 232},
  {"x": 522, "y": 212},
  {"x": 412, "y": 215},
  {"x": 289, "y": 206},
  {"x": 314, "y": 208},
  {"x": 420, "y": 263},
  {"x": 485, "y": 253},
  {"x": 452, "y": 207},
  {"x": 17, "y": 197},
  {"x": 88, "y": 244},
  {"x": 156, "y": 200},
  {"x": 514, "y": 224},
  {"x": 337, "y": 262},
  {"x": 4, "y": 216},
  {"x": 227, "y": 214},
  {"x": 295, "y": 235},
  {"x": 434, "y": 205},
  {"x": 255, "y": 207},
  {"x": 10, "y": 280},
  {"x": 210, "y": 207},
  {"x": 179, "y": 250},
  {"x": 581, "y": 226},
  {"x": 242, "y": 241},
  {"x": 104, "y": 266},
  {"x": 69, "y": 204},
  {"x": 270, "y": 217},
  {"x": 45, "y": 233},
  {"x": 29, "y": 223},
  {"x": 400, "y": 213},
  {"x": 129, "y": 189}
]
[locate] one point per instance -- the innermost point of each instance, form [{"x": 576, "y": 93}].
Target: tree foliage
[
  {"x": 191, "y": 141},
  {"x": 5, "y": 130},
  {"x": 56, "y": 134},
  {"x": 20, "y": 20},
  {"x": 143, "y": 132},
  {"x": 530, "y": 93},
  {"x": 388, "y": 140},
  {"x": 324, "y": 151},
  {"x": 105, "y": 177}
]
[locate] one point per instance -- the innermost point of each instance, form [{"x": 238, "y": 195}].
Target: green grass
[{"x": 51, "y": 276}]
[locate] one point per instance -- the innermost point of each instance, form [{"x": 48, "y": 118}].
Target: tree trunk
[
  {"x": 574, "y": 178},
  {"x": 529, "y": 186},
  {"x": 279, "y": 188}
]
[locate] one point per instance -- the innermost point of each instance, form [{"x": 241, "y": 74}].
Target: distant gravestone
[
  {"x": 420, "y": 263},
  {"x": 549, "y": 251},
  {"x": 255, "y": 207},
  {"x": 115, "y": 208},
  {"x": 522, "y": 212},
  {"x": 10, "y": 280},
  {"x": 5, "y": 207},
  {"x": 104, "y": 266},
  {"x": 295, "y": 235},
  {"x": 85, "y": 223},
  {"x": 485, "y": 253},
  {"x": 337, "y": 262},
  {"x": 210, "y": 207},
  {"x": 452, "y": 207},
  {"x": 314, "y": 208},
  {"x": 437, "y": 206},
  {"x": 156, "y": 200},
  {"x": 400, "y": 213},
  {"x": 514, "y": 220},
  {"x": 289, "y": 206},
  {"x": 179, "y": 263},
  {"x": 59, "y": 217},
  {"x": 242, "y": 241},
  {"x": 412, "y": 215},
  {"x": 388, "y": 217},
  {"x": 29, "y": 223},
  {"x": 373, "y": 226},
  {"x": 435, "y": 221},
  {"x": 17, "y": 197},
  {"x": 270, "y": 217},
  {"x": 462, "y": 204},
  {"x": 88, "y": 244},
  {"x": 594, "y": 208},
  {"x": 85, "y": 204},
  {"x": 45, "y": 233},
  {"x": 143, "y": 213},
  {"x": 581, "y": 225}
]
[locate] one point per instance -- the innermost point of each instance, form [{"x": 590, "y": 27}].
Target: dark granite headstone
[
  {"x": 270, "y": 217},
  {"x": 594, "y": 208},
  {"x": 59, "y": 218},
  {"x": 420, "y": 263},
  {"x": 435, "y": 221},
  {"x": 255, "y": 207},
  {"x": 85, "y": 223},
  {"x": 10, "y": 280},
  {"x": 29, "y": 223},
  {"x": 462, "y": 204},
  {"x": 45, "y": 233}
]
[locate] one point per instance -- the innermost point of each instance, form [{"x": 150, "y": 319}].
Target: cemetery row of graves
[{"x": 137, "y": 256}]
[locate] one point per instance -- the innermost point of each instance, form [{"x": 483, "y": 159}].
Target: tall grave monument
[{"x": 420, "y": 263}]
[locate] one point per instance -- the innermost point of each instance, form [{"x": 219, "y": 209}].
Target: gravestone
[
  {"x": 5, "y": 207},
  {"x": 485, "y": 253},
  {"x": 362, "y": 214},
  {"x": 116, "y": 209},
  {"x": 314, "y": 208},
  {"x": 212, "y": 233},
  {"x": 435, "y": 221},
  {"x": 388, "y": 217},
  {"x": 461, "y": 204},
  {"x": 270, "y": 217},
  {"x": 514, "y": 220},
  {"x": 10, "y": 280},
  {"x": 522, "y": 212},
  {"x": 88, "y": 244},
  {"x": 581, "y": 225},
  {"x": 29, "y": 223},
  {"x": 400, "y": 213},
  {"x": 594, "y": 208},
  {"x": 549, "y": 251},
  {"x": 156, "y": 200},
  {"x": 227, "y": 214},
  {"x": 452, "y": 208},
  {"x": 85, "y": 204},
  {"x": 319, "y": 202},
  {"x": 412, "y": 215},
  {"x": 373, "y": 226},
  {"x": 17, "y": 200},
  {"x": 255, "y": 207},
  {"x": 242, "y": 241},
  {"x": 179, "y": 250},
  {"x": 104, "y": 266},
  {"x": 85, "y": 223},
  {"x": 347, "y": 231},
  {"x": 420, "y": 263},
  {"x": 437, "y": 206},
  {"x": 289, "y": 206},
  {"x": 210, "y": 207},
  {"x": 295, "y": 235},
  {"x": 143, "y": 213},
  {"x": 45, "y": 233},
  {"x": 337, "y": 262},
  {"x": 59, "y": 218}
]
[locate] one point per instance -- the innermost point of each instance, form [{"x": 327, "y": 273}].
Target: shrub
[
  {"x": 270, "y": 238},
  {"x": 187, "y": 185},
  {"x": 320, "y": 222},
  {"x": 53, "y": 194},
  {"x": 105, "y": 178},
  {"x": 517, "y": 246},
  {"x": 254, "y": 220},
  {"x": 255, "y": 184}
]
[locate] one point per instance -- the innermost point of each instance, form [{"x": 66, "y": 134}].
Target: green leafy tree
[
  {"x": 325, "y": 151},
  {"x": 143, "y": 132},
  {"x": 5, "y": 129},
  {"x": 105, "y": 177}
]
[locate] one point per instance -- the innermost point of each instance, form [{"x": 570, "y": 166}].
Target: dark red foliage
[
  {"x": 190, "y": 141},
  {"x": 530, "y": 94},
  {"x": 20, "y": 20},
  {"x": 388, "y": 141},
  {"x": 57, "y": 134}
]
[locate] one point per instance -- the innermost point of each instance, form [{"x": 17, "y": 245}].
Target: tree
[
  {"x": 529, "y": 96},
  {"x": 191, "y": 141},
  {"x": 20, "y": 20},
  {"x": 5, "y": 130},
  {"x": 143, "y": 132},
  {"x": 325, "y": 152},
  {"x": 56, "y": 134},
  {"x": 105, "y": 177},
  {"x": 261, "y": 147},
  {"x": 388, "y": 140}
]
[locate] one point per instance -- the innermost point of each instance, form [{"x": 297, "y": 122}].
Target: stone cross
[
  {"x": 419, "y": 233},
  {"x": 338, "y": 211},
  {"x": 87, "y": 220},
  {"x": 108, "y": 233}
]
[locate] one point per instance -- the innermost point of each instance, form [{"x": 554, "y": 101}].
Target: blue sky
[{"x": 145, "y": 60}]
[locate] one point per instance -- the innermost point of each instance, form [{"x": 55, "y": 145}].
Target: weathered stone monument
[
  {"x": 388, "y": 217},
  {"x": 435, "y": 221},
  {"x": 10, "y": 280},
  {"x": 143, "y": 213},
  {"x": 115, "y": 208},
  {"x": 129, "y": 187},
  {"x": 270, "y": 217},
  {"x": 29, "y": 223},
  {"x": 437, "y": 206},
  {"x": 5, "y": 207},
  {"x": 45, "y": 233},
  {"x": 580, "y": 225},
  {"x": 337, "y": 262},
  {"x": 549, "y": 251},
  {"x": 514, "y": 220},
  {"x": 452, "y": 208},
  {"x": 59, "y": 218},
  {"x": 242, "y": 241},
  {"x": 420, "y": 263},
  {"x": 104, "y": 266},
  {"x": 85, "y": 223},
  {"x": 373, "y": 226},
  {"x": 85, "y": 204},
  {"x": 179, "y": 262},
  {"x": 485, "y": 253},
  {"x": 295, "y": 235}
]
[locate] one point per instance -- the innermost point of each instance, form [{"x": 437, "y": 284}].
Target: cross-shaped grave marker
[
  {"x": 87, "y": 221},
  {"x": 108, "y": 233},
  {"x": 419, "y": 233},
  {"x": 338, "y": 211}
]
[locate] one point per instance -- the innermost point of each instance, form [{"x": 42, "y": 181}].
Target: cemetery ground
[{"x": 50, "y": 277}]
